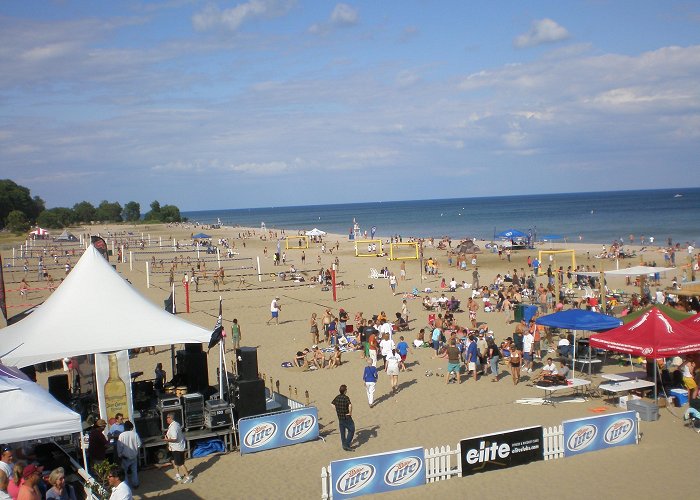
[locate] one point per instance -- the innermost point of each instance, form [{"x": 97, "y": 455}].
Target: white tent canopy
[
  {"x": 315, "y": 232},
  {"x": 630, "y": 271},
  {"x": 93, "y": 310},
  {"x": 34, "y": 412}
]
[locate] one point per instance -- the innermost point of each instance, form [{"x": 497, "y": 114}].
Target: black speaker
[
  {"x": 193, "y": 368},
  {"x": 194, "y": 347},
  {"x": 250, "y": 398},
  {"x": 247, "y": 363},
  {"x": 58, "y": 387},
  {"x": 148, "y": 426}
]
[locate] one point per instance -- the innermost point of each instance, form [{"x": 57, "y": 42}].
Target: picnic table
[{"x": 575, "y": 384}]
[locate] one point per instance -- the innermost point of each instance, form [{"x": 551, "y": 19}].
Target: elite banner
[
  {"x": 274, "y": 430},
  {"x": 390, "y": 471},
  {"x": 596, "y": 433},
  {"x": 501, "y": 450}
]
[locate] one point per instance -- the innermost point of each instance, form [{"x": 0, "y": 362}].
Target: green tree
[
  {"x": 132, "y": 211},
  {"x": 110, "y": 212},
  {"x": 84, "y": 211},
  {"x": 170, "y": 213},
  {"x": 154, "y": 213},
  {"x": 55, "y": 218},
  {"x": 16, "y": 197},
  {"x": 17, "y": 222}
]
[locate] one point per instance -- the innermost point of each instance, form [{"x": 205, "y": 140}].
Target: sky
[{"x": 215, "y": 105}]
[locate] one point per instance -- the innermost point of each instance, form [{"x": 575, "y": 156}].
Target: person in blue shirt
[
  {"x": 370, "y": 377},
  {"x": 472, "y": 357},
  {"x": 402, "y": 349}
]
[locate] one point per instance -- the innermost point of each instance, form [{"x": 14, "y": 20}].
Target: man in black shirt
[{"x": 343, "y": 407}]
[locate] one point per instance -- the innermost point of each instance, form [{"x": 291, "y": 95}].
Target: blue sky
[{"x": 212, "y": 104}]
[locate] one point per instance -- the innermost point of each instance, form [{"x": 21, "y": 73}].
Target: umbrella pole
[{"x": 656, "y": 388}]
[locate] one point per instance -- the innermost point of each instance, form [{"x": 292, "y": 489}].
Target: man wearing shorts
[
  {"x": 472, "y": 356},
  {"x": 275, "y": 309},
  {"x": 453, "y": 362},
  {"x": 176, "y": 444}
]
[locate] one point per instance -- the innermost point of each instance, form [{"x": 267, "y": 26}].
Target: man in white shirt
[
  {"x": 386, "y": 346},
  {"x": 549, "y": 368},
  {"x": 4, "y": 483},
  {"x": 528, "y": 343},
  {"x": 385, "y": 328},
  {"x": 120, "y": 490},
  {"x": 6, "y": 464},
  {"x": 275, "y": 309},
  {"x": 177, "y": 446},
  {"x": 128, "y": 445}
]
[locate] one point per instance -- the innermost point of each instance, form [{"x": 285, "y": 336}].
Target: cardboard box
[{"x": 622, "y": 403}]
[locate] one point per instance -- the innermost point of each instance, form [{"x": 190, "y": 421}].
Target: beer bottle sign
[{"x": 115, "y": 391}]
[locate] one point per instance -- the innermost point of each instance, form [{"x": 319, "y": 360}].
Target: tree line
[{"x": 19, "y": 211}]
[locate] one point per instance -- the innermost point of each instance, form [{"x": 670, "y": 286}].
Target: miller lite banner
[
  {"x": 274, "y": 430},
  {"x": 501, "y": 450},
  {"x": 597, "y": 433},
  {"x": 391, "y": 471}
]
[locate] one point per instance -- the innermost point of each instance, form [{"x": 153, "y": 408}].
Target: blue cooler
[{"x": 681, "y": 396}]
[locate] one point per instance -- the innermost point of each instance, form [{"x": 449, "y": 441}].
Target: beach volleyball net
[
  {"x": 403, "y": 251},
  {"x": 368, "y": 248},
  {"x": 302, "y": 242},
  {"x": 554, "y": 254}
]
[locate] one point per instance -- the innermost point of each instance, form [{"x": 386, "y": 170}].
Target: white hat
[{"x": 315, "y": 346}]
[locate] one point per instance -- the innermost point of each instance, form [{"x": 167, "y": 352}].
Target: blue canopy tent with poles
[
  {"x": 201, "y": 236},
  {"x": 511, "y": 233},
  {"x": 579, "y": 319}
]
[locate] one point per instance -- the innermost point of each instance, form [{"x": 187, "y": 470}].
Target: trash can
[{"x": 518, "y": 313}]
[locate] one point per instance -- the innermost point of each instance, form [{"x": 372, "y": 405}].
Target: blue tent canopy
[
  {"x": 511, "y": 233},
  {"x": 579, "y": 319},
  {"x": 201, "y": 236}
]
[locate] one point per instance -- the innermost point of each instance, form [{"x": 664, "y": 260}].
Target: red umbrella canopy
[
  {"x": 653, "y": 335},
  {"x": 693, "y": 323}
]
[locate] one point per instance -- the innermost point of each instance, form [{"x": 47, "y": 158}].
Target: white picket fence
[{"x": 442, "y": 463}]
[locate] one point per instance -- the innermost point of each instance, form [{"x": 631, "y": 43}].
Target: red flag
[{"x": 3, "y": 304}]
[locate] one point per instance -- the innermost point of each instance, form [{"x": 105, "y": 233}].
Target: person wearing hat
[
  {"x": 29, "y": 490},
  {"x": 97, "y": 447},
  {"x": 275, "y": 309},
  {"x": 6, "y": 460}
]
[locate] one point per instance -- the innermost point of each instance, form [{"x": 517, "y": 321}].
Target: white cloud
[
  {"x": 219, "y": 166},
  {"x": 344, "y": 15},
  {"x": 231, "y": 19},
  {"x": 542, "y": 31}
]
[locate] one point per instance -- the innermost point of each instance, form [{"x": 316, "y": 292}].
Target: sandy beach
[{"x": 425, "y": 412}]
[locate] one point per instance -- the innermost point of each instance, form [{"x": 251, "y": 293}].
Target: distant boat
[{"x": 678, "y": 196}]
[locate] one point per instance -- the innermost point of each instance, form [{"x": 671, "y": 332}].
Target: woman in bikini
[{"x": 515, "y": 361}]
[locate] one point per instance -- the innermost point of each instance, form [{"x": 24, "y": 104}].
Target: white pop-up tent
[
  {"x": 315, "y": 232},
  {"x": 34, "y": 413},
  {"x": 94, "y": 310}
]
